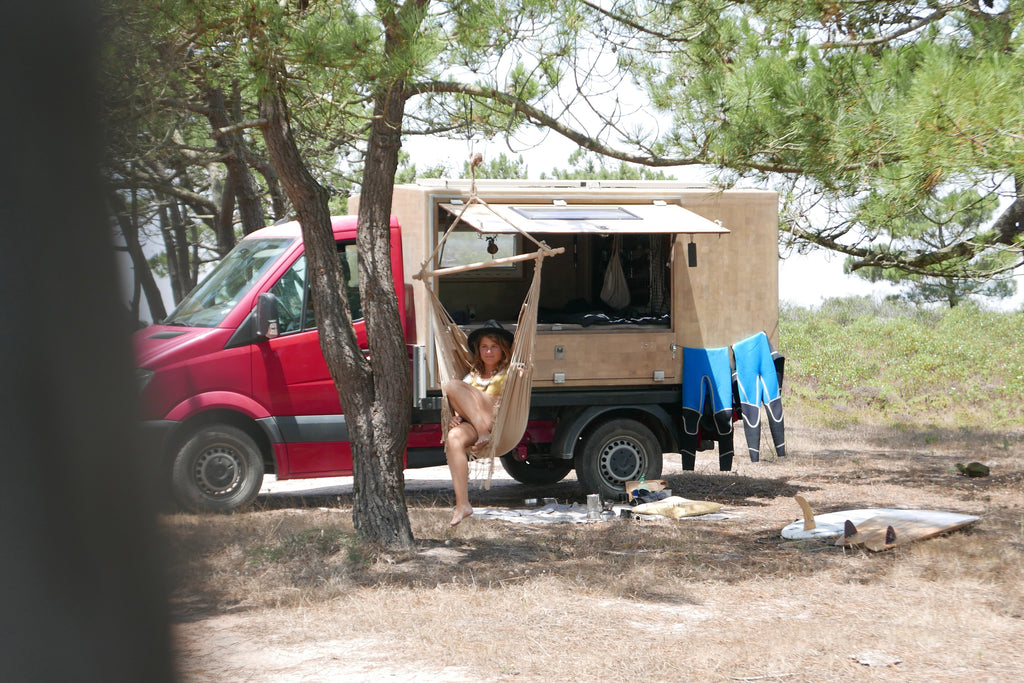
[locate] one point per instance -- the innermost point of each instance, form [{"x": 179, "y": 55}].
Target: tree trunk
[
  {"x": 85, "y": 567},
  {"x": 380, "y": 488},
  {"x": 225, "y": 217},
  {"x": 378, "y": 424},
  {"x": 142, "y": 274},
  {"x": 171, "y": 250},
  {"x": 240, "y": 183},
  {"x": 180, "y": 261},
  {"x": 278, "y": 204},
  {"x": 1009, "y": 227}
]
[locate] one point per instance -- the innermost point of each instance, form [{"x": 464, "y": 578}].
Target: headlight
[{"x": 142, "y": 377}]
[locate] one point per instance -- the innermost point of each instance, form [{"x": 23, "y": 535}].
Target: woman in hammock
[{"x": 473, "y": 400}]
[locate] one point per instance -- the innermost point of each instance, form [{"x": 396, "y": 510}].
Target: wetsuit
[
  {"x": 707, "y": 387},
  {"x": 758, "y": 382}
]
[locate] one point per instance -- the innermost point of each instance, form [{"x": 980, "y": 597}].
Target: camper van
[{"x": 234, "y": 384}]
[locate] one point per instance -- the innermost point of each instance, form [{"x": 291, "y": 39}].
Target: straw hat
[{"x": 491, "y": 327}]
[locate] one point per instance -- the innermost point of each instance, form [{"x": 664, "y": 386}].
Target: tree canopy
[
  {"x": 860, "y": 112},
  {"x": 939, "y": 223}
]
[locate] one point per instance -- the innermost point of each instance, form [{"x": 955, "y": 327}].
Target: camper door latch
[{"x": 673, "y": 347}]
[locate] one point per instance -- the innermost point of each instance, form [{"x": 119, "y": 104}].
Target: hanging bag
[{"x": 615, "y": 291}]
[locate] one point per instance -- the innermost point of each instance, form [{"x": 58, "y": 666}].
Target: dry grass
[{"x": 287, "y": 594}]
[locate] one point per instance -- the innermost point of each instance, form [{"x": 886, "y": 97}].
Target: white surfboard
[{"x": 831, "y": 525}]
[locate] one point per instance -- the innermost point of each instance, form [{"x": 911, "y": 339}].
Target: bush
[{"x": 889, "y": 362}]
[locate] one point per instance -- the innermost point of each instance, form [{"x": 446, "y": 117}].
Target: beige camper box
[{"x": 729, "y": 294}]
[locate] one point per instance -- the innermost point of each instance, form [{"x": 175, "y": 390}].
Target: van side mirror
[{"x": 266, "y": 316}]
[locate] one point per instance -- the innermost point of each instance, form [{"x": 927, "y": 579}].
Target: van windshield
[{"x": 209, "y": 303}]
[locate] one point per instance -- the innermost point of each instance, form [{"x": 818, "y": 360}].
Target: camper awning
[{"x": 594, "y": 219}]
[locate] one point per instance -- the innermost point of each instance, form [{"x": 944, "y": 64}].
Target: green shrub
[{"x": 858, "y": 360}]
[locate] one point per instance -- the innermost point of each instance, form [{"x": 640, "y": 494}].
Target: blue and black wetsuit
[
  {"x": 707, "y": 387},
  {"x": 757, "y": 382}
]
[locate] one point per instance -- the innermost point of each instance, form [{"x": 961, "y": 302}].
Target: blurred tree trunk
[{"x": 84, "y": 595}]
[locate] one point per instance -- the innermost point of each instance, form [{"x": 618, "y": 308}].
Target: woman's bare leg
[
  {"x": 459, "y": 439},
  {"x": 474, "y": 406}
]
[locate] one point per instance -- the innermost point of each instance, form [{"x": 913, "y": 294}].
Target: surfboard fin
[
  {"x": 806, "y": 509},
  {"x": 869, "y": 535},
  {"x": 851, "y": 535}
]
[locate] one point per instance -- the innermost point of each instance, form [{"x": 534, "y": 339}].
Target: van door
[{"x": 290, "y": 375}]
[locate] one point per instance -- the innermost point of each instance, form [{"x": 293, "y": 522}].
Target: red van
[{"x": 232, "y": 388}]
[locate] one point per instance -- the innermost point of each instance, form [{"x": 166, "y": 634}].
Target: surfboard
[
  {"x": 907, "y": 525},
  {"x": 888, "y": 531}
]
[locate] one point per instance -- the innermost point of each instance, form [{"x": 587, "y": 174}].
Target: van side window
[
  {"x": 290, "y": 290},
  {"x": 350, "y": 270},
  {"x": 347, "y": 261}
]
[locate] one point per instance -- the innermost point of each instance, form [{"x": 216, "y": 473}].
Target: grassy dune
[{"x": 855, "y": 362}]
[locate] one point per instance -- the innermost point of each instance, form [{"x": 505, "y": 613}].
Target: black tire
[
  {"x": 546, "y": 471},
  {"x": 616, "y": 452},
  {"x": 220, "y": 469}
]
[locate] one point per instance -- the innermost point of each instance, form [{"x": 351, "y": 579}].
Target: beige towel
[{"x": 676, "y": 507}]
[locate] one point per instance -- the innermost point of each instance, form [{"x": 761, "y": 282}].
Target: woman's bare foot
[
  {"x": 460, "y": 514},
  {"x": 481, "y": 441}
]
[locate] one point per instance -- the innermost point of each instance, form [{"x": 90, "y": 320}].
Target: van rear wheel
[
  {"x": 615, "y": 452},
  {"x": 219, "y": 469}
]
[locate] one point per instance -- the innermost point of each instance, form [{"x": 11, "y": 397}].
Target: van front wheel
[
  {"x": 616, "y": 452},
  {"x": 220, "y": 469}
]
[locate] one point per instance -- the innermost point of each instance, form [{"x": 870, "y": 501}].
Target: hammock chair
[{"x": 454, "y": 356}]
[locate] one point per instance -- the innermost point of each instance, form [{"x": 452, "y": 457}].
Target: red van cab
[{"x": 233, "y": 382}]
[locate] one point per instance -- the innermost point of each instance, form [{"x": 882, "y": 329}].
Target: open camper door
[
  {"x": 614, "y": 284},
  {"x": 561, "y": 217}
]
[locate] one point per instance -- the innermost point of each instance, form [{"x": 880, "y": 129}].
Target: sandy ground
[
  {"x": 423, "y": 479},
  {"x": 851, "y": 629}
]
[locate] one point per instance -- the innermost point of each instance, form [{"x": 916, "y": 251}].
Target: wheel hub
[
  {"x": 621, "y": 461},
  {"x": 218, "y": 471}
]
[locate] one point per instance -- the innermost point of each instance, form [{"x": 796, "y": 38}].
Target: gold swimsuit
[{"x": 491, "y": 387}]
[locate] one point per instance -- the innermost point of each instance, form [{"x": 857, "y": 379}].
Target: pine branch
[
  {"x": 889, "y": 37},
  {"x": 234, "y": 128}
]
